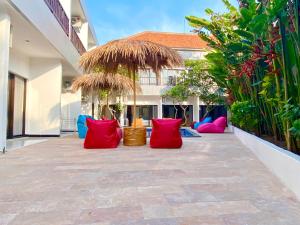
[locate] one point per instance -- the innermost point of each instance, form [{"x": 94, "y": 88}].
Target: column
[
  {"x": 196, "y": 109},
  {"x": 4, "y": 62},
  {"x": 160, "y": 109}
]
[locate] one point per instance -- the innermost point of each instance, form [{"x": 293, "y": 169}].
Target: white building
[
  {"x": 40, "y": 45},
  {"x": 150, "y": 103}
]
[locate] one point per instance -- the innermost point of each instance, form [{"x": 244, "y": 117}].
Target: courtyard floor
[{"x": 212, "y": 180}]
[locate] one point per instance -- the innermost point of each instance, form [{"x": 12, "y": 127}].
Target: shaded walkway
[{"x": 213, "y": 180}]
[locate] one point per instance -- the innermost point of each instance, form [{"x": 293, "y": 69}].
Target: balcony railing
[
  {"x": 148, "y": 81},
  {"x": 60, "y": 14},
  {"x": 77, "y": 42}
]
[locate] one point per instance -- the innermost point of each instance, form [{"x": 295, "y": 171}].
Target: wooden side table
[{"x": 134, "y": 136}]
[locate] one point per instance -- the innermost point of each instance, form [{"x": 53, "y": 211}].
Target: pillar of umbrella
[{"x": 132, "y": 55}]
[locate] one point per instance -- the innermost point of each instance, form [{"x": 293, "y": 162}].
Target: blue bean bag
[
  {"x": 81, "y": 125},
  {"x": 205, "y": 120}
]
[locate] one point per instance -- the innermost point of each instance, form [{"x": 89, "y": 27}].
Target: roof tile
[{"x": 172, "y": 40}]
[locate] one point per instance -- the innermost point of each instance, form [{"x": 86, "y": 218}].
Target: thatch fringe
[{"x": 101, "y": 81}]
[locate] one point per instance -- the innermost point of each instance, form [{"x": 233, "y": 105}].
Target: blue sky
[{"x": 114, "y": 19}]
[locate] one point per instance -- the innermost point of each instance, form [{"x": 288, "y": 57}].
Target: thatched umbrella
[
  {"x": 100, "y": 81},
  {"x": 132, "y": 55}
]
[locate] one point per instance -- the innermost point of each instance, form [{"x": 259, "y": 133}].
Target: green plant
[
  {"x": 255, "y": 58},
  {"x": 200, "y": 83},
  {"x": 179, "y": 94},
  {"x": 295, "y": 129},
  {"x": 244, "y": 115},
  {"x": 119, "y": 107}
]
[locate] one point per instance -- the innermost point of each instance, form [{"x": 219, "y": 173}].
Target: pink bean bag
[
  {"x": 218, "y": 126},
  {"x": 165, "y": 133},
  {"x": 102, "y": 134}
]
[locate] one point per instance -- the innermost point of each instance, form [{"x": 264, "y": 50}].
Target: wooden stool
[{"x": 134, "y": 136}]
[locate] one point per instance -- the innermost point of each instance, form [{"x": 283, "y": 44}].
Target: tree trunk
[
  {"x": 184, "y": 114},
  {"x": 176, "y": 111},
  {"x": 93, "y": 105}
]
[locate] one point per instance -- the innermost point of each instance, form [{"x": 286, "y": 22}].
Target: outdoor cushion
[
  {"x": 165, "y": 133},
  {"x": 115, "y": 122},
  {"x": 119, "y": 132},
  {"x": 104, "y": 118},
  {"x": 203, "y": 121},
  {"x": 81, "y": 125},
  {"x": 192, "y": 124},
  {"x": 221, "y": 122},
  {"x": 218, "y": 126},
  {"x": 102, "y": 134}
]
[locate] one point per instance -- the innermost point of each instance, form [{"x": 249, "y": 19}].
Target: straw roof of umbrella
[
  {"x": 102, "y": 81},
  {"x": 132, "y": 55}
]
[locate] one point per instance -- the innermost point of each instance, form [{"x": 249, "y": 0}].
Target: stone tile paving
[{"x": 212, "y": 180}]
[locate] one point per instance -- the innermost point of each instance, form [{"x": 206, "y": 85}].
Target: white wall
[
  {"x": 46, "y": 23},
  {"x": 84, "y": 35},
  {"x": 43, "y": 106},
  {"x": 4, "y": 60},
  {"x": 152, "y": 90},
  {"x": 19, "y": 63},
  {"x": 192, "y": 54},
  {"x": 284, "y": 164},
  {"x": 67, "y": 6},
  {"x": 144, "y": 100},
  {"x": 190, "y": 101}
]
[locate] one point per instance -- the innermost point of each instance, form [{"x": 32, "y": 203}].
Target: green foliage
[
  {"x": 289, "y": 112},
  {"x": 244, "y": 115},
  {"x": 255, "y": 58},
  {"x": 295, "y": 129},
  {"x": 200, "y": 83},
  {"x": 119, "y": 107},
  {"x": 178, "y": 93}
]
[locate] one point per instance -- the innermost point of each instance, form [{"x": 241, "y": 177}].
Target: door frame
[{"x": 11, "y": 104}]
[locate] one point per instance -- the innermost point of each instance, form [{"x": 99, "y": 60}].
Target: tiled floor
[{"x": 212, "y": 180}]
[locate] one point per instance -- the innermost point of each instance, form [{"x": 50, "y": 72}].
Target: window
[
  {"x": 147, "y": 77},
  {"x": 169, "y": 76}
]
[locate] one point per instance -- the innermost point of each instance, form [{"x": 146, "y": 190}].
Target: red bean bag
[
  {"x": 102, "y": 134},
  {"x": 104, "y": 118},
  {"x": 165, "y": 133},
  {"x": 218, "y": 126}
]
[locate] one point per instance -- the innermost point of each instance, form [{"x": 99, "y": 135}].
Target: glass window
[
  {"x": 169, "y": 76},
  {"x": 147, "y": 77}
]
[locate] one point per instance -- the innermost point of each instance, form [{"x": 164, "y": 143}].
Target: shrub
[
  {"x": 295, "y": 130},
  {"x": 244, "y": 115}
]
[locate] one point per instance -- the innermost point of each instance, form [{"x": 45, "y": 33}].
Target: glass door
[{"x": 16, "y": 106}]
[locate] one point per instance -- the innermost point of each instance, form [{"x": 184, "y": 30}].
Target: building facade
[
  {"x": 149, "y": 101},
  {"x": 40, "y": 46}
]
